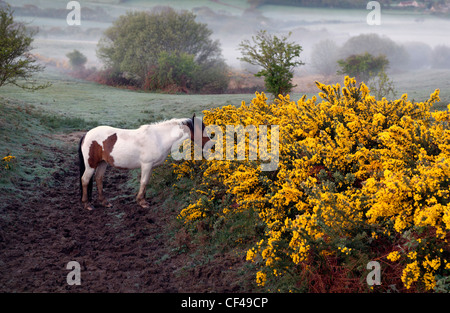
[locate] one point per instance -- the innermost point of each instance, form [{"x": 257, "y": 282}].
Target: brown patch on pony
[
  {"x": 95, "y": 154},
  {"x": 108, "y": 146},
  {"x": 98, "y": 154}
]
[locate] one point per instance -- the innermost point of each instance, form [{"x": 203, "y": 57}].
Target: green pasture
[
  {"x": 70, "y": 97},
  {"x": 420, "y": 84},
  {"x": 74, "y": 98}
]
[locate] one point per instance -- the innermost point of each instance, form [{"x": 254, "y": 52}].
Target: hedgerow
[{"x": 358, "y": 180}]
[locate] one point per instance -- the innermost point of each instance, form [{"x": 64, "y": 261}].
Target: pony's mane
[{"x": 174, "y": 121}]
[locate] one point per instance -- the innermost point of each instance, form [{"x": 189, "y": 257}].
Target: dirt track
[{"x": 121, "y": 249}]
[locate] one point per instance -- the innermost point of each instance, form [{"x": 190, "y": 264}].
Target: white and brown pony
[{"x": 145, "y": 148}]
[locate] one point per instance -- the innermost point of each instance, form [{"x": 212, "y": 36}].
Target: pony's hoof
[
  {"x": 144, "y": 204},
  {"x": 88, "y": 206},
  {"x": 106, "y": 204}
]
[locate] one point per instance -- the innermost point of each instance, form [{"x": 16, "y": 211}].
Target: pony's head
[{"x": 197, "y": 127}]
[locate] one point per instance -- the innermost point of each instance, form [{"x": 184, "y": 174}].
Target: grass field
[
  {"x": 75, "y": 98},
  {"x": 25, "y": 133},
  {"x": 71, "y": 97},
  {"x": 418, "y": 85}
]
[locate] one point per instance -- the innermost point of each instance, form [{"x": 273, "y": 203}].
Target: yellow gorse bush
[
  {"x": 357, "y": 180},
  {"x": 6, "y": 162}
]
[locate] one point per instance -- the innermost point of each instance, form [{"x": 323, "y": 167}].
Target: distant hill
[
  {"x": 314, "y": 3},
  {"x": 441, "y": 6}
]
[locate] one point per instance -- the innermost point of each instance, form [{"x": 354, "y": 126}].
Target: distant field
[
  {"x": 114, "y": 106},
  {"x": 420, "y": 84},
  {"x": 117, "y": 7},
  {"x": 72, "y": 97}
]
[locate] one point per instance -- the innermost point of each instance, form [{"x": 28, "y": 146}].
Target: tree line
[{"x": 315, "y": 3}]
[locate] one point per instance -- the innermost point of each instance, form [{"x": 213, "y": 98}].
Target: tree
[
  {"x": 325, "y": 56},
  {"x": 76, "y": 59},
  {"x": 173, "y": 70},
  {"x": 420, "y": 55},
  {"x": 139, "y": 42},
  {"x": 441, "y": 57},
  {"x": 381, "y": 86},
  {"x": 17, "y": 65},
  {"x": 363, "y": 66},
  {"x": 276, "y": 56},
  {"x": 376, "y": 45}
]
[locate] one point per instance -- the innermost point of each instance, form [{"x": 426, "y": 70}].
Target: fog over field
[
  {"x": 233, "y": 22},
  {"x": 418, "y": 32}
]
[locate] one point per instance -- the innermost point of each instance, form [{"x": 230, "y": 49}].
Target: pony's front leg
[{"x": 146, "y": 172}]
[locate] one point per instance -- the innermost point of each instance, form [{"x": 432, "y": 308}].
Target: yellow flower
[
  {"x": 410, "y": 274},
  {"x": 345, "y": 250},
  {"x": 393, "y": 256},
  {"x": 261, "y": 278},
  {"x": 6, "y": 160},
  {"x": 250, "y": 255},
  {"x": 412, "y": 255},
  {"x": 429, "y": 280},
  {"x": 432, "y": 264}
]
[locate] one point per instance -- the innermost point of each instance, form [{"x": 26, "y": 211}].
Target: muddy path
[{"x": 120, "y": 249}]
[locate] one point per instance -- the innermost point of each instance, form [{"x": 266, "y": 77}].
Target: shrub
[
  {"x": 7, "y": 163},
  {"x": 174, "y": 69},
  {"x": 441, "y": 57},
  {"x": 324, "y": 57},
  {"x": 358, "y": 180},
  {"x": 420, "y": 55},
  {"x": 142, "y": 46},
  {"x": 111, "y": 77},
  {"x": 76, "y": 59},
  {"x": 363, "y": 66}
]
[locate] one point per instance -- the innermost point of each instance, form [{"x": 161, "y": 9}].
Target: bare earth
[{"x": 121, "y": 249}]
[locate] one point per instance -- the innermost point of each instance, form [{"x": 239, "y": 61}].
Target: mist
[{"x": 418, "y": 33}]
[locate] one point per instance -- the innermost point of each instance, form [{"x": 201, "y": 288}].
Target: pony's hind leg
[
  {"x": 85, "y": 181},
  {"x": 99, "y": 174},
  {"x": 146, "y": 172}
]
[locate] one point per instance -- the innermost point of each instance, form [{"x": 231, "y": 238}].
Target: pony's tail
[{"x": 82, "y": 169}]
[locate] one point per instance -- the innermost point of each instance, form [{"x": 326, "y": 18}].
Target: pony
[{"x": 145, "y": 147}]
